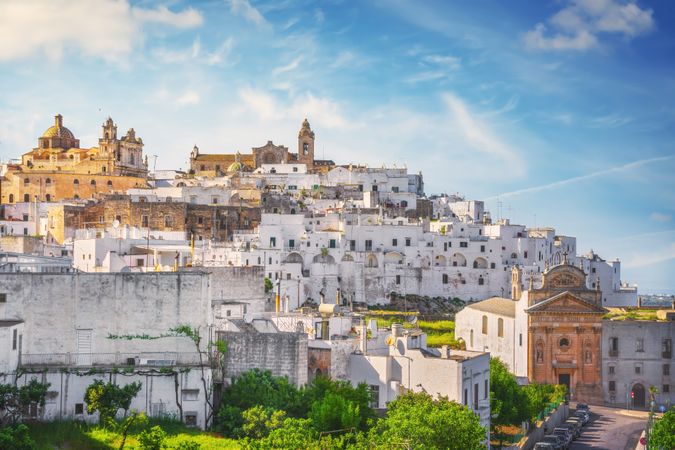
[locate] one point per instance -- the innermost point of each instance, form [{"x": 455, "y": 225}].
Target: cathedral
[
  {"x": 59, "y": 169},
  {"x": 213, "y": 164}
]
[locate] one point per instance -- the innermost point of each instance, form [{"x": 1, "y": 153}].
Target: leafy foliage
[
  {"x": 508, "y": 402},
  {"x": 259, "y": 421},
  {"x": 152, "y": 439},
  {"x": 663, "y": 432},
  {"x": 268, "y": 285},
  {"x": 334, "y": 412},
  {"x": 108, "y": 398},
  {"x": 417, "y": 421},
  {"x": 16, "y": 438},
  {"x": 293, "y": 434},
  {"x": 356, "y": 399},
  {"x": 16, "y": 401}
]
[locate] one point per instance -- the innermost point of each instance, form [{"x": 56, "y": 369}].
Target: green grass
[
  {"x": 627, "y": 314},
  {"x": 439, "y": 332},
  {"x": 81, "y": 436}
]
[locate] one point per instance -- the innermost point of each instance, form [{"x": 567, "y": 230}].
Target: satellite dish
[
  {"x": 116, "y": 223},
  {"x": 390, "y": 340}
]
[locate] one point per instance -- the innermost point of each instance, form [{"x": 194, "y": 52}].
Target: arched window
[
  {"x": 485, "y": 324},
  {"x": 48, "y": 181},
  {"x": 76, "y": 182},
  {"x": 404, "y": 203},
  {"x": 26, "y": 181},
  {"x": 481, "y": 281},
  {"x": 305, "y": 148},
  {"x": 76, "y": 196},
  {"x": 48, "y": 198},
  {"x": 131, "y": 159},
  {"x": 26, "y": 197},
  {"x": 109, "y": 183},
  {"x": 500, "y": 327},
  {"x": 93, "y": 182},
  {"x": 103, "y": 169},
  {"x": 564, "y": 343},
  {"x": 11, "y": 198}
]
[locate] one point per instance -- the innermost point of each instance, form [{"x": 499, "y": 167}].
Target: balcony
[
  {"x": 142, "y": 359},
  {"x": 613, "y": 353}
]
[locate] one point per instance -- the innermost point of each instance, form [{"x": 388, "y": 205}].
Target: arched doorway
[{"x": 638, "y": 394}]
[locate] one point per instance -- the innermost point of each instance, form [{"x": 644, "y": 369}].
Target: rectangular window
[
  {"x": 214, "y": 200},
  {"x": 445, "y": 278},
  {"x": 291, "y": 243},
  {"x": 475, "y": 396},
  {"x": 525, "y": 254},
  {"x": 520, "y": 339},
  {"x": 482, "y": 249},
  {"x": 638, "y": 370},
  {"x": 612, "y": 386},
  {"x": 613, "y": 346},
  {"x": 369, "y": 245},
  {"x": 639, "y": 345},
  {"x": 144, "y": 221},
  {"x": 486, "y": 389},
  {"x": 666, "y": 389},
  {"x": 445, "y": 246},
  {"x": 374, "y": 395},
  {"x": 407, "y": 242},
  {"x": 273, "y": 242},
  {"x": 332, "y": 243},
  {"x": 79, "y": 408},
  {"x": 25, "y": 217},
  {"x": 666, "y": 348},
  {"x": 15, "y": 339},
  {"x": 352, "y": 245},
  {"x": 394, "y": 242},
  {"x": 466, "y": 396},
  {"x": 463, "y": 244},
  {"x": 288, "y": 276},
  {"x": 666, "y": 368},
  {"x": 191, "y": 419},
  {"x": 394, "y": 189},
  {"x": 374, "y": 188},
  {"x": 611, "y": 370},
  {"x": 3, "y": 298},
  {"x": 139, "y": 262},
  {"x": 398, "y": 279}
]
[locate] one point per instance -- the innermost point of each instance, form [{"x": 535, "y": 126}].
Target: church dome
[{"x": 58, "y": 130}]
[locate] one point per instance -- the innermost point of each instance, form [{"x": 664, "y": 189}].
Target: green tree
[
  {"x": 16, "y": 438},
  {"x": 259, "y": 421},
  {"x": 509, "y": 403},
  {"x": 359, "y": 397},
  {"x": 16, "y": 402},
  {"x": 417, "y": 421},
  {"x": 268, "y": 284},
  {"x": 663, "y": 432},
  {"x": 293, "y": 434},
  {"x": 108, "y": 398},
  {"x": 334, "y": 412}
]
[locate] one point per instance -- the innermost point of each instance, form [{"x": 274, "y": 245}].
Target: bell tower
[
  {"x": 306, "y": 145},
  {"x": 516, "y": 282},
  {"x": 108, "y": 141}
]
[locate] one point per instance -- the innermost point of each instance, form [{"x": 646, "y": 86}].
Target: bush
[
  {"x": 334, "y": 413},
  {"x": 663, "y": 433},
  {"x": 16, "y": 438},
  {"x": 189, "y": 445},
  {"x": 152, "y": 439},
  {"x": 259, "y": 421},
  {"x": 108, "y": 398}
]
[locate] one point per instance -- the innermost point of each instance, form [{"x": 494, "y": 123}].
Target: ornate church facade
[
  {"x": 59, "y": 169},
  {"x": 565, "y": 333}
]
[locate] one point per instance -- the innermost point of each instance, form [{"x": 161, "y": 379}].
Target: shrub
[
  {"x": 16, "y": 438},
  {"x": 152, "y": 439}
]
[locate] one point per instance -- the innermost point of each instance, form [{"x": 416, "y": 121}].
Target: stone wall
[{"x": 284, "y": 354}]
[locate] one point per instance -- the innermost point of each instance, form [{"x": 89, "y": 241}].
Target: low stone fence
[{"x": 542, "y": 428}]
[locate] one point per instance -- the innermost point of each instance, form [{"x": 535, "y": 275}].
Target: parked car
[
  {"x": 562, "y": 440},
  {"x": 585, "y": 416},
  {"x": 583, "y": 407},
  {"x": 553, "y": 439},
  {"x": 543, "y": 446},
  {"x": 574, "y": 426},
  {"x": 565, "y": 433}
]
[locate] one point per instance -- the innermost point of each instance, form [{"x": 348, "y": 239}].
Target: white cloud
[
  {"x": 106, "y": 29},
  {"x": 561, "y": 183},
  {"x": 188, "y": 98},
  {"x": 221, "y": 54},
  {"x": 244, "y": 9},
  {"x": 579, "y": 25},
  {"x": 288, "y": 67},
  {"x": 660, "y": 217},
  {"x": 451, "y": 62},
  {"x": 609, "y": 121}
]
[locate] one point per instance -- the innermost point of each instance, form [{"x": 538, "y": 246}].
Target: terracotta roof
[{"x": 496, "y": 305}]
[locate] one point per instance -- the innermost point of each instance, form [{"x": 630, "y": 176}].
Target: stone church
[
  {"x": 551, "y": 334},
  {"x": 213, "y": 164},
  {"x": 59, "y": 169}
]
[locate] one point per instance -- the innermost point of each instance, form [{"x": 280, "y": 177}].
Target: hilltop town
[{"x": 272, "y": 259}]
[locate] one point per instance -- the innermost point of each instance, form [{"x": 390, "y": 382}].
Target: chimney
[
  {"x": 58, "y": 120},
  {"x": 639, "y": 303}
]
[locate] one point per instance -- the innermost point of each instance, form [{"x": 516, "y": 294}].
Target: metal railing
[{"x": 146, "y": 359}]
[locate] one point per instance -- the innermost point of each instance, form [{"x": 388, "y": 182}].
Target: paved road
[{"x": 611, "y": 429}]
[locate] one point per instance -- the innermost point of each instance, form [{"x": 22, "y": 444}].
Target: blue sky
[{"x": 557, "y": 113}]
